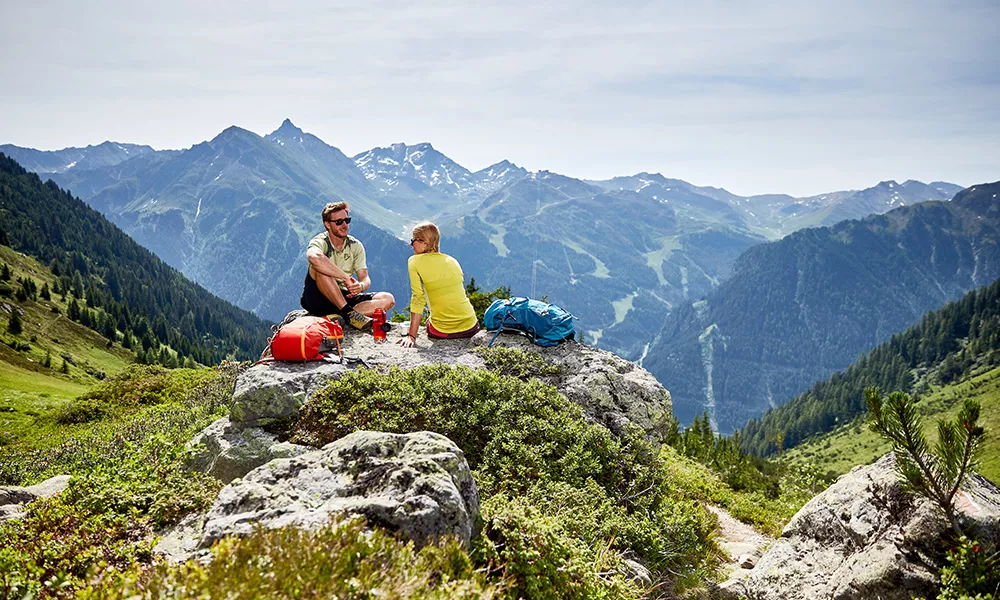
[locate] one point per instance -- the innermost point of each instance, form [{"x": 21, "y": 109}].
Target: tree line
[
  {"x": 944, "y": 346},
  {"x": 113, "y": 284}
]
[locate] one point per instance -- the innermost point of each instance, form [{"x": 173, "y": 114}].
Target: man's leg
[
  {"x": 328, "y": 287},
  {"x": 383, "y": 300}
]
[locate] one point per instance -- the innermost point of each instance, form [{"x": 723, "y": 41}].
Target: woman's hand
[{"x": 408, "y": 341}]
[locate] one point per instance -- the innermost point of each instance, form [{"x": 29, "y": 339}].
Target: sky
[{"x": 756, "y": 97}]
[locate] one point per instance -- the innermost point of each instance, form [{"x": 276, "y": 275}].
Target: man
[{"x": 334, "y": 258}]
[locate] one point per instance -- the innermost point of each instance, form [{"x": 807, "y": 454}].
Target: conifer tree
[
  {"x": 936, "y": 475},
  {"x": 5, "y": 273},
  {"x": 14, "y": 325}
]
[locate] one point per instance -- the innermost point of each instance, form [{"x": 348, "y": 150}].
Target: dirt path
[{"x": 739, "y": 539}]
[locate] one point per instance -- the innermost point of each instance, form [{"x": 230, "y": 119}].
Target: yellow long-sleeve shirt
[{"x": 440, "y": 277}]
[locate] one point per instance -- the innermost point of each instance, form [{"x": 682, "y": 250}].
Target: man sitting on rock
[{"x": 334, "y": 259}]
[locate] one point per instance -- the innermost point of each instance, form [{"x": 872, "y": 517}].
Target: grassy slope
[
  {"x": 854, "y": 444},
  {"x": 30, "y": 392}
]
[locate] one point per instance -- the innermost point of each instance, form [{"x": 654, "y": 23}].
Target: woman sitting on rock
[{"x": 440, "y": 277}]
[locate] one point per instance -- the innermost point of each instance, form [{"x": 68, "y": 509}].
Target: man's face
[{"x": 332, "y": 226}]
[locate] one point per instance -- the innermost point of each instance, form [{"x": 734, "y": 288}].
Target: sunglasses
[
  {"x": 339, "y": 221},
  {"x": 412, "y": 240}
]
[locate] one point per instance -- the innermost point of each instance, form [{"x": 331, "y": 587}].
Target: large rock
[
  {"x": 227, "y": 452},
  {"x": 612, "y": 391},
  {"x": 13, "y": 498},
  {"x": 417, "y": 484},
  {"x": 865, "y": 537}
]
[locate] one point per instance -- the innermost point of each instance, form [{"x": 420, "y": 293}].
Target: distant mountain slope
[
  {"x": 944, "y": 346},
  {"x": 776, "y": 215},
  {"x": 618, "y": 260},
  {"x": 82, "y": 159},
  {"x": 140, "y": 292},
  {"x": 799, "y": 309},
  {"x": 235, "y": 213}
]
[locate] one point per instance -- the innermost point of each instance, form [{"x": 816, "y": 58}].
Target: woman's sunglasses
[{"x": 339, "y": 221}]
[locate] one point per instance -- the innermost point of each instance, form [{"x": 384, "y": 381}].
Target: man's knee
[{"x": 385, "y": 300}]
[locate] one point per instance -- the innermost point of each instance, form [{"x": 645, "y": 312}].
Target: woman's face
[{"x": 419, "y": 245}]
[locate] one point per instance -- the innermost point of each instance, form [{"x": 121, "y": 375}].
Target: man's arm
[
  {"x": 362, "y": 285},
  {"x": 319, "y": 263}
]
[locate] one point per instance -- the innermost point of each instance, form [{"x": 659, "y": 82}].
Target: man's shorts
[{"x": 316, "y": 303}]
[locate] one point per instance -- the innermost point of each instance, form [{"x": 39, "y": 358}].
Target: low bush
[
  {"x": 516, "y": 362},
  {"x": 51, "y": 552},
  {"x": 972, "y": 572},
  {"x": 525, "y": 440},
  {"x": 341, "y": 560}
]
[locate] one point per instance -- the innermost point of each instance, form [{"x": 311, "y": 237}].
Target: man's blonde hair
[
  {"x": 333, "y": 207},
  {"x": 428, "y": 233}
]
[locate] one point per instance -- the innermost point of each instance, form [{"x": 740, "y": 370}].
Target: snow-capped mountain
[{"x": 420, "y": 181}]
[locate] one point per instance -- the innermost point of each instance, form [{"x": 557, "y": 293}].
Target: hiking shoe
[{"x": 358, "y": 320}]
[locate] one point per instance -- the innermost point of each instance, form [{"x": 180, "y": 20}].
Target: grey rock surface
[
  {"x": 227, "y": 452},
  {"x": 417, "y": 484},
  {"x": 865, "y": 537},
  {"x": 13, "y": 498},
  {"x": 611, "y": 390}
]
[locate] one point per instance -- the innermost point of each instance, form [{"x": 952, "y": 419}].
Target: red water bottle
[{"x": 378, "y": 324}]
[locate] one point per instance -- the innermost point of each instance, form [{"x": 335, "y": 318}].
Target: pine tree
[
  {"x": 47, "y": 363},
  {"x": 936, "y": 475},
  {"x": 5, "y": 273},
  {"x": 14, "y": 326}
]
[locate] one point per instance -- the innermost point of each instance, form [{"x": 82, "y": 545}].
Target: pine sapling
[{"x": 936, "y": 475}]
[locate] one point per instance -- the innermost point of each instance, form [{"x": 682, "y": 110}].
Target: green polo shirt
[{"x": 350, "y": 259}]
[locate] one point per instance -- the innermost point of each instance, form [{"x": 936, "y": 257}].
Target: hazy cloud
[{"x": 751, "y": 96}]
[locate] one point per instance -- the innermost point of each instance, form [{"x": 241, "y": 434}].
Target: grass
[
  {"x": 854, "y": 444},
  {"x": 30, "y": 392}
]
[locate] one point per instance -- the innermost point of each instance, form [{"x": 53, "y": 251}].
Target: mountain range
[
  {"x": 796, "y": 310},
  {"x": 236, "y": 212}
]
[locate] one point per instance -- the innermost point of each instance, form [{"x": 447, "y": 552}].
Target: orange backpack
[{"x": 306, "y": 338}]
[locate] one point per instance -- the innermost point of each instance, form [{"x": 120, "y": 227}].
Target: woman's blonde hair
[{"x": 428, "y": 233}]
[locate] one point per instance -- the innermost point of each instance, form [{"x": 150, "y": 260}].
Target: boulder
[
  {"x": 13, "y": 498},
  {"x": 866, "y": 537},
  {"x": 227, "y": 452},
  {"x": 611, "y": 390},
  {"x": 417, "y": 484}
]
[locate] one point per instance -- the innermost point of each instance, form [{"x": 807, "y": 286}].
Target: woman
[{"x": 441, "y": 278}]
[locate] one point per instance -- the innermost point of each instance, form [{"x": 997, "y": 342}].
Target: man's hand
[{"x": 353, "y": 287}]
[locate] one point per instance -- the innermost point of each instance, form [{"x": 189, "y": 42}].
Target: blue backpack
[{"x": 544, "y": 324}]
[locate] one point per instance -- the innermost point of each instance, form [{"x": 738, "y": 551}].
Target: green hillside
[
  {"x": 50, "y": 362},
  {"x": 798, "y": 310},
  {"x": 946, "y": 345},
  {"x": 138, "y": 299},
  {"x": 854, "y": 444}
]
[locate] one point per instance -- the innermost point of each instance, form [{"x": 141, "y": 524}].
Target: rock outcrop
[
  {"x": 417, "y": 484},
  {"x": 13, "y": 498},
  {"x": 227, "y": 452},
  {"x": 866, "y": 537},
  {"x": 611, "y": 390}
]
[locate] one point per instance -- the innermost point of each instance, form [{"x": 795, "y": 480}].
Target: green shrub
[
  {"x": 50, "y": 552},
  {"x": 141, "y": 385},
  {"x": 972, "y": 573},
  {"x": 515, "y": 362},
  {"x": 121, "y": 433},
  {"x": 150, "y": 481},
  {"x": 512, "y": 432},
  {"x": 341, "y": 560},
  {"x": 81, "y": 411},
  {"x": 532, "y": 551},
  {"x": 524, "y": 439}
]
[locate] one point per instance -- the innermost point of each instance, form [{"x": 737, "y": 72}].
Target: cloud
[{"x": 797, "y": 97}]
